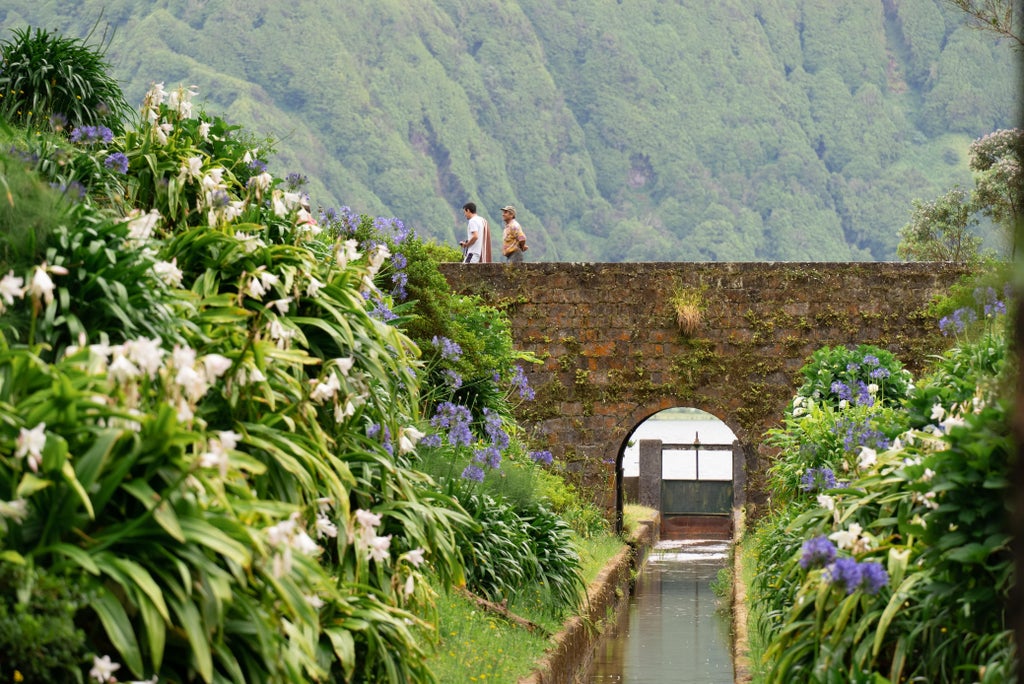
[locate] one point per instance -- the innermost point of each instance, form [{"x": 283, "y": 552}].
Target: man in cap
[{"x": 513, "y": 242}]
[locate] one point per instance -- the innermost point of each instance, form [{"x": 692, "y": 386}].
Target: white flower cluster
[{"x": 288, "y": 536}]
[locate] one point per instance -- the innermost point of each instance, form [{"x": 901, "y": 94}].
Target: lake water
[{"x": 682, "y": 464}]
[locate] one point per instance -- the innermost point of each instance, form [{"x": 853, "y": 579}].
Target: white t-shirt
[{"x": 475, "y": 225}]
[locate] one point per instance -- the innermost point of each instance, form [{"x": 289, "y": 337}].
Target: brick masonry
[{"x": 612, "y": 353}]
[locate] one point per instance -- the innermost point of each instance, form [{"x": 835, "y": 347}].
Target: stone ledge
[{"x": 572, "y": 648}]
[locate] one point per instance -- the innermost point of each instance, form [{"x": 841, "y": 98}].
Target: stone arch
[
  {"x": 628, "y": 485},
  {"x": 613, "y": 352}
]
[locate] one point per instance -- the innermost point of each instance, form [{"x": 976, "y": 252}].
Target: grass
[
  {"x": 755, "y": 628},
  {"x": 478, "y": 646}
]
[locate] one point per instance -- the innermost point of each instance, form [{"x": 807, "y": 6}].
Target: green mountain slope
[{"x": 633, "y": 130}]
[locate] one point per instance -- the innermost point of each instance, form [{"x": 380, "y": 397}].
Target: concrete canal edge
[
  {"x": 573, "y": 647},
  {"x": 738, "y": 609}
]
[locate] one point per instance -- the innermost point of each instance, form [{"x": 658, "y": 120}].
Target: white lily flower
[
  {"x": 325, "y": 528},
  {"x": 141, "y": 226},
  {"x": 415, "y": 557},
  {"x": 281, "y": 305},
  {"x": 845, "y": 539},
  {"x": 325, "y": 390},
  {"x": 407, "y": 439},
  {"x": 16, "y": 510},
  {"x": 103, "y": 669},
  {"x": 348, "y": 251},
  {"x": 11, "y": 287},
  {"x": 204, "y": 130},
  {"x": 215, "y": 365},
  {"x": 868, "y": 457},
  {"x": 313, "y": 287},
  {"x": 41, "y": 285},
  {"x": 369, "y": 521},
  {"x": 168, "y": 272},
  {"x": 379, "y": 548},
  {"x": 255, "y": 288},
  {"x": 30, "y": 443}
]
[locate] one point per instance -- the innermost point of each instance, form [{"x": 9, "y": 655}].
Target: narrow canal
[{"x": 676, "y": 629}]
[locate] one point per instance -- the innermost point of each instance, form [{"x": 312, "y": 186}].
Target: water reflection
[{"x": 673, "y": 630}]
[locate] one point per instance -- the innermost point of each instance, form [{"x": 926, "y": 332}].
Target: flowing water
[{"x": 675, "y": 630}]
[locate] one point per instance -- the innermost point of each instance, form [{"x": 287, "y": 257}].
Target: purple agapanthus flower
[
  {"x": 818, "y": 478},
  {"x": 873, "y": 577},
  {"x": 473, "y": 472},
  {"x": 456, "y": 419},
  {"x": 520, "y": 382},
  {"x": 846, "y": 573},
  {"x": 449, "y": 350},
  {"x": 118, "y": 161},
  {"x": 817, "y": 553},
  {"x": 544, "y": 457}
]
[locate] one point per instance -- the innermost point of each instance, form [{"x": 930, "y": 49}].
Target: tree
[
  {"x": 992, "y": 15},
  {"x": 941, "y": 230},
  {"x": 999, "y": 182}
]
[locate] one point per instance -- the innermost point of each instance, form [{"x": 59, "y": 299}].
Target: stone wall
[{"x": 612, "y": 353}]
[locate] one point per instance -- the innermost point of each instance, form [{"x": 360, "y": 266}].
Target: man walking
[
  {"x": 513, "y": 241},
  {"x": 476, "y": 248}
]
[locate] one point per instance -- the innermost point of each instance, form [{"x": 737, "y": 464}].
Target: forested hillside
[{"x": 634, "y": 130}]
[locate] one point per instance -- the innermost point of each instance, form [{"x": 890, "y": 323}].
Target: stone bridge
[{"x": 613, "y": 351}]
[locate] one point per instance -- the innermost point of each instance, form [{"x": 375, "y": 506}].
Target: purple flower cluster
[
  {"x": 449, "y": 350},
  {"x": 88, "y": 135},
  {"x": 492, "y": 426},
  {"x": 381, "y": 311},
  {"x": 815, "y": 479},
  {"x": 117, "y": 161},
  {"x": 399, "y": 278},
  {"x": 339, "y": 221},
  {"x": 454, "y": 418},
  {"x": 861, "y": 433},
  {"x": 817, "y": 553},
  {"x": 850, "y": 575},
  {"x": 520, "y": 383},
  {"x": 452, "y": 378},
  {"x": 845, "y": 391},
  {"x": 957, "y": 321},
  {"x": 845, "y": 573},
  {"x": 543, "y": 457},
  {"x": 398, "y": 231}
]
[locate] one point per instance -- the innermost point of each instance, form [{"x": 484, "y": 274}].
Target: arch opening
[{"x": 682, "y": 462}]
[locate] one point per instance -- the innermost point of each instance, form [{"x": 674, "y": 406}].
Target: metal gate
[{"x": 697, "y": 495}]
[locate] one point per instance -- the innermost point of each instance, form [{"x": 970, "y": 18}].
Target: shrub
[{"x": 54, "y": 83}]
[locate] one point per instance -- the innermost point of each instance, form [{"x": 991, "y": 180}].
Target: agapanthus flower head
[
  {"x": 817, "y": 553},
  {"x": 473, "y": 472},
  {"x": 873, "y": 577},
  {"x": 543, "y": 457},
  {"x": 449, "y": 350},
  {"x": 88, "y": 135},
  {"x": 118, "y": 161},
  {"x": 846, "y": 573},
  {"x": 815, "y": 479},
  {"x": 520, "y": 383}
]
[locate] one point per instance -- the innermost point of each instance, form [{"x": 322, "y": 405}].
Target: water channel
[{"x": 675, "y": 629}]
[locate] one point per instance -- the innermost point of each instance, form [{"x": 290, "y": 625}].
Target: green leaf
[
  {"x": 74, "y": 553},
  {"x": 68, "y": 470},
  {"x": 119, "y": 629},
  {"x": 895, "y": 602},
  {"x": 197, "y": 635},
  {"x": 167, "y": 519},
  {"x": 30, "y": 484}
]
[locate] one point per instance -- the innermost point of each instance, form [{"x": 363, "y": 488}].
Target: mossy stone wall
[{"x": 613, "y": 353}]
